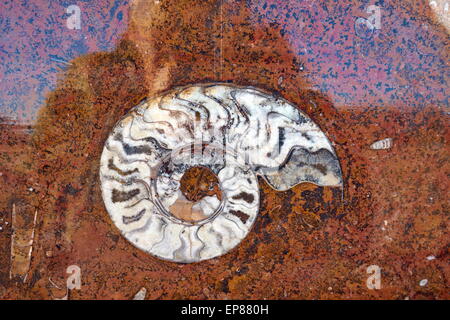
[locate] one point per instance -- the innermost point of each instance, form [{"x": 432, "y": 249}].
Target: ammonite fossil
[{"x": 236, "y": 134}]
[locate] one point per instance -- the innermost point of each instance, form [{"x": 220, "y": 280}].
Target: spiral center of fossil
[
  {"x": 199, "y": 182},
  {"x": 188, "y": 187},
  {"x": 199, "y": 188}
]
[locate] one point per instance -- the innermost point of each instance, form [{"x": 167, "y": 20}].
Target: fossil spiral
[{"x": 238, "y": 133}]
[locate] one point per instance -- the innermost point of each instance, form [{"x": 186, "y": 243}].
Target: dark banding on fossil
[
  {"x": 136, "y": 149},
  {"x": 241, "y": 215},
  {"x": 281, "y": 138},
  {"x": 121, "y": 196},
  {"x": 112, "y": 166},
  {"x": 150, "y": 148},
  {"x": 318, "y": 166},
  {"x": 248, "y": 197},
  {"x": 137, "y": 217}
]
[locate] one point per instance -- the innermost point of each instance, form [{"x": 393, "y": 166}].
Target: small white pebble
[
  {"x": 30, "y": 189},
  {"x": 280, "y": 80},
  {"x": 423, "y": 282},
  {"x": 141, "y": 294},
  {"x": 385, "y": 222},
  {"x": 330, "y": 288},
  {"x": 429, "y": 258}
]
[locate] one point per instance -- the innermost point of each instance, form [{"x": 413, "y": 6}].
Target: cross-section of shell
[{"x": 237, "y": 134}]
